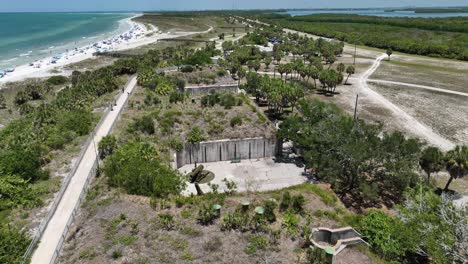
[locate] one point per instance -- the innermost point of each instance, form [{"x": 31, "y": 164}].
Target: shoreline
[{"x": 135, "y": 36}]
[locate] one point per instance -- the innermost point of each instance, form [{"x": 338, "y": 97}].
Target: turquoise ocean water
[
  {"x": 26, "y": 37},
  {"x": 372, "y": 12}
]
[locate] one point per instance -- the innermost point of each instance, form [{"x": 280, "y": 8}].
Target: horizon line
[{"x": 239, "y": 9}]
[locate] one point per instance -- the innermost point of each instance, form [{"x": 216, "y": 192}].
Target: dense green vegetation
[
  {"x": 363, "y": 167},
  {"x": 438, "y": 37},
  {"x": 13, "y": 244},
  {"x": 44, "y": 127},
  {"x": 137, "y": 169},
  {"x": 426, "y": 226}
]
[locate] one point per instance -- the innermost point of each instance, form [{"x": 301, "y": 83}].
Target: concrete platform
[{"x": 250, "y": 175}]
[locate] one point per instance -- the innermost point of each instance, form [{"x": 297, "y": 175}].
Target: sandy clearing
[
  {"x": 420, "y": 86},
  {"x": 408, "y": 122}
]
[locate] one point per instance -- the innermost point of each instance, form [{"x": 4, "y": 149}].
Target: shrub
[
  {"x": 235, "y": 221},
  {"x": 236, "y": 121},
  {"x": 195, "y": 136},
  {"x": 221, "y": 73},
  {"x": 176, "y": 144},
  {"x": 285, "y": 201},
  {"x": 107, "y": 146},
  {"x": 316, "y": 255},
  {"x": 166, "y": 221},
  {"x": 270, "y": 206},
  {"x": 164, "y": 88},
  {"x": 117, "y": 254},
  {"x": 23, "y": 162},
  {"x": 16, "y": 191},
  {"x": 13, "y": 244},
  {"x": 385, "y": 234},
  {"x": 57, "y": 80},
  {"x": 2, "y": 101},
  {"x": 21, "y": 98},
  {"x": 78, "y": 121},
  {"x": 298, "y": 202},
  {"x": 151, "y": 99},
  {"x": 176, "y": 97},
  {"x": 187, "y": 69},
  {"x": 179, "y": 83},
  {"x": 229, "y": 100},
  {"x": 290, "y": 222},
  {"x": 137, "y": 169},
  {"x": 200, "y": 57},
  {"x": 230, "y": 185},
  {"x": 144, "y": 124},
  {"x": 206, "y": 214},
  {"x": 256, "y": 243}
]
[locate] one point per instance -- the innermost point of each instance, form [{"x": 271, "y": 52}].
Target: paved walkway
[{"x": 53, "y": 233}]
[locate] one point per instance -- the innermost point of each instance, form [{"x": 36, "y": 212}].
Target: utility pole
[
  {"x": 96, "y": 150},
  {"x": 354, "y": 63},
  {"x": 355, "y": 107}
]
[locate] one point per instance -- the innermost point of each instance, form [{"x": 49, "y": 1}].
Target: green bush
[
  {"x": 236, "y": 121},
  {"x": 16, "y": 191},
  {"x": 195, "y": 136},
  {"x": 235, "y": 221},
  {"x": 151, "y": 99},
  {"x": 137, "y": 168},
  {"x": 285, "y": 201},
  {"x": 176, "y": 144},
  {"x": 256, "y": 242},
  {"x": 144, "y": 124},
  {"x": 270, "y": 206},
  {"x": 57, "y": 80},
  {"x": 385, "y": 234},
  {"x": 78, "y": 121},
  {"x": 166, "y": 221},
  {"x": 3, "y": 104},
  {"x": 200, "y": 57},
  {"x": 291, "y": 222},
  {"x": 176, "y": 97},
  {"x": 206, "y": 214},
  {"x": 164, "y": 88},
  {"x": 187, "y": 69},
  {"x": 23, "y": 162},
  {"x": 13, "y": 244},
  {"x": 297, "y": 203},
  {"x": 107, "y": 146}
]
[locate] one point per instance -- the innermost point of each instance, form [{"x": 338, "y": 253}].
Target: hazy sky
[{"x": 146, "y": 5}]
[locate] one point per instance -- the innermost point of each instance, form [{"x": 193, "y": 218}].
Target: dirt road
[{"x": 407, "y": 121}]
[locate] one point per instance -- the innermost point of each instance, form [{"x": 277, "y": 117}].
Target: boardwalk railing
[{"x": 58, "y": 198}]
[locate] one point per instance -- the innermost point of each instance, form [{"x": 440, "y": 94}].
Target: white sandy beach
[{"x": 138, "y": 35}]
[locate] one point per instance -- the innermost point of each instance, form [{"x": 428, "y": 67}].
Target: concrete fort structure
[
  {"x": 205, "y": 89},
  {"x": 228, "y": 149}
]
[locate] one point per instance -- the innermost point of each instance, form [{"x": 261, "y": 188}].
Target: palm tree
[
  {"x": 241, "y": 73},
  {"x": 314, "y": 74},
  {"x": 256, "y": 65},
  {"x": 456, "y": 164},
  {"x": 389, "y": 53},
  {"x": 350, "y": 70},
  {"x": 282, "y": 70},
  {"x": 289, "y": 69},
  {"x": 340, "y": 68},
  {"x": 432, "y": 160},
  {"x": 267, "y": 62}
]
